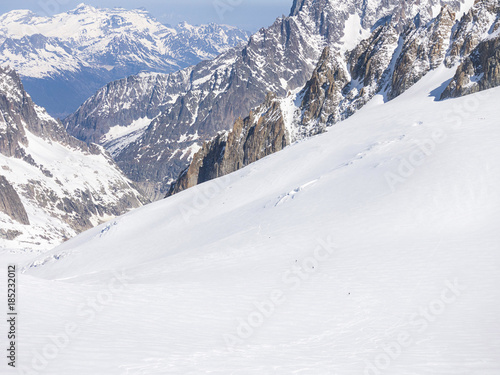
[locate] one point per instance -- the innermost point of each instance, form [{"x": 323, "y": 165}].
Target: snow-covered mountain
[
  {"x": 52, "y": 186},
  {"x": 370, "y": 249},
  {"x": 387, "y": 62},
  {"x": 65, "y": 58},
  {"x": 193, "y": 105}
]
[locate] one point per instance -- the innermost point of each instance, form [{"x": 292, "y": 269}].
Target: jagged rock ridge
[
  {"x": 203, "y": 100},
  {"x": 53, "y": 186},
  {"x": 480, "y": 43},
  {"x": 260, "y": 134},
  {"x": 387, "y": 62}
]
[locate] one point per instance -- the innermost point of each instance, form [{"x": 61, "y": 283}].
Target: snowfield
[{"x": 371, "y": 249}]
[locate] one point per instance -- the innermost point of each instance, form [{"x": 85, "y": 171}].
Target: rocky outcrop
[
  {"x": 424, "y": 49},
  {"x": 370, "y": 62},
  {"x": 480, "y": 71},
  {"x": 340, "y": 85},
  {"x": 322, "y": 93},
  {"x": 475, "y": 43},
  {"x": 11, "y": 204},
  {"x": 260, "y": 134},
  {"x": 480, "y": 20},
  {"x": 53, "y": 186}
]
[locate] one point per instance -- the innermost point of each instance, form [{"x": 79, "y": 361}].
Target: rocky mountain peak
[
  {"x": 297, "y": 6},
  {"x": 366, "y": 40},
  {"x": 82, "y": 8},
  {"x": 400, "y": 49}
]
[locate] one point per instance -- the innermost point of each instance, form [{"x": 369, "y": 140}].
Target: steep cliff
[
  {"x": 11, "y": 204},
  {"x": 480, "y": 70},
  {"x": 53, "y": 186},
  {"x": 260, "y": 134}
]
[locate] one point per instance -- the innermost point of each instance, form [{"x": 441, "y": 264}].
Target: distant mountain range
[{"x": 65, "y": 58}]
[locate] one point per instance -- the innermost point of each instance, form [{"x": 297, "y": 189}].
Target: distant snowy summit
[{"x": 65, "y": 58}]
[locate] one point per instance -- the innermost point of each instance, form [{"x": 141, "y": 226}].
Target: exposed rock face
[
  {"x": 340, "y": 85},
  {"x": 65, "y": 58},
  {"x": 475, "y": 43},
  {"x": 52, "y": 186},
  {"x": 424, "y": 49},
  {"x": 480, "y": 71},
  {"x": 322, "y": 93},
  {"x": 260, "y": 134},
  {"x": 123, "y": 101},
  {"x": 480, "y": 20},
  {"x": 370, "y": 63},
  {"x": 11, "y": 204},
  {"x": 389, "y": 61},
  {"x": 20, "y": 114},
  {"x": 203, "y": 100}
]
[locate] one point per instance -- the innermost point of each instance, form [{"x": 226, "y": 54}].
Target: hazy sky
[{"x": 247, "y": 14}]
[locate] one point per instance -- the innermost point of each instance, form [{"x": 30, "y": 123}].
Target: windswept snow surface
[{"x": 219, "y": 279}]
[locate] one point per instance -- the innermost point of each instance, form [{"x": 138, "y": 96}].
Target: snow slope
[{"x": 219, "y": 279}]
